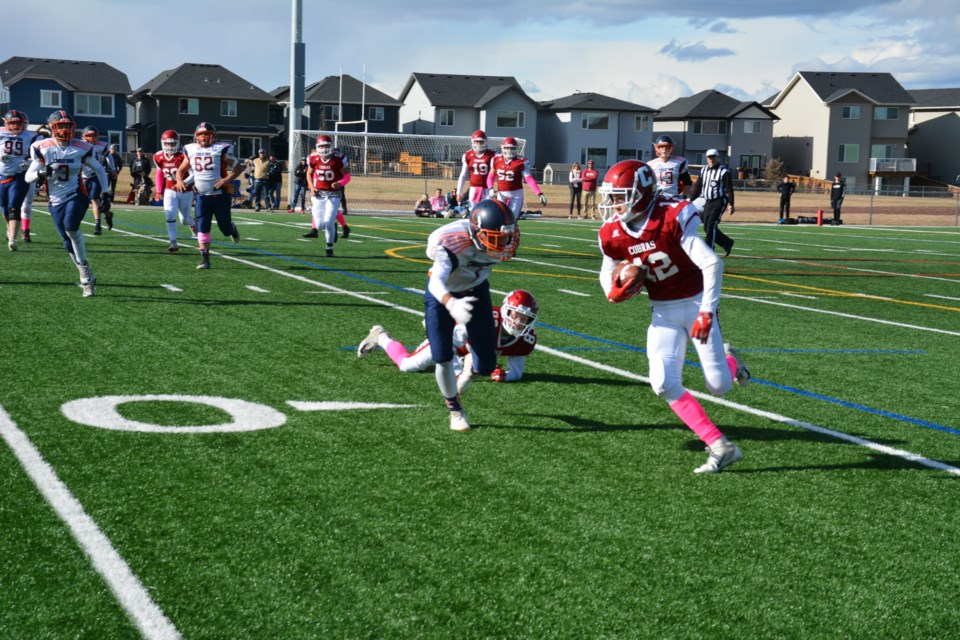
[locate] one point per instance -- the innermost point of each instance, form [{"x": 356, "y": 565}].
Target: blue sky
[{"x": 646, "y": 52}]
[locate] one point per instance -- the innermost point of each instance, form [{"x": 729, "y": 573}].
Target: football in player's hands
[{"x": 624, "y": 272}]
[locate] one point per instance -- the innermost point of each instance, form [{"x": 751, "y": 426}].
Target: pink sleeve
[
  {"x": 490, "y": 177},
  {"x": 345, "y": 180},
  {"x": 533, "y": 184}
]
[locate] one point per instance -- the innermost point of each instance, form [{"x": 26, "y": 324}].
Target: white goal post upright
[{"x": 391, "y": 171}]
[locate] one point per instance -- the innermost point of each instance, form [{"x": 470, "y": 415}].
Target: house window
[
  {"x": 51, "y": 99},
  {"x": 331, "y": 112},
  {"x": 597, "y": 154},
  {"x": 886, "y": 113},
  {"x": 189, "y": 106},
  {"x": 247, "y": 147},
  {"x": 446, "y": 117},
  {"x": 850, "y": 113},
  {"x": 375, "y": 113},
  {"x": 90, "y": 104},
  {"x": 710, "y": 127},
  {"x": 228, "y": 108},
  {"x": 849, "y": 153},
  {"x": 884, "y": 151},
  {"x": 510, "y": 119},
  {"x": 642, "y": 123},
  {"x": 114, "y": 137},
  {"x": 628, "y": 154},
  {"x": 595, "y": 121},
  {"x": 751, "y": 126}
]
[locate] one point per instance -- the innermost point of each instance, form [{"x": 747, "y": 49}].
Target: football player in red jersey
[
  {"x": 509, "y": 171},
  {"x": 682, "y": 276},
  {"x": 476, "y": 165},
  {"x": 516, "y": 339},
  {"x": 327, "y": 175},
  {"x": 175, "y": 202}
]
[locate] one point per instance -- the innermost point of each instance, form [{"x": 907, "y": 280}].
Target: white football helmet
[{"x": 509, "y": 148}]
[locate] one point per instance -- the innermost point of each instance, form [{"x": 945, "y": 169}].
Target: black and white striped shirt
[{"x": 717, "y": 183}]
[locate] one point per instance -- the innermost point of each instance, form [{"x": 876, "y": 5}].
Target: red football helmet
[
  {"x": 519, "y": 312},
  {"x": 62, "y": 126},
  {"x": 479, "y": 141},
  {"x": 628, "y": 191},
  {"x": 15, "y": 121},
  {"x": 170, "y": 142},
  {"x": 204, "y": 134},
  {"x": 324, "y": 146},
  {"x": 509, "y": 148},
  {"x": 493, "y": 229}
]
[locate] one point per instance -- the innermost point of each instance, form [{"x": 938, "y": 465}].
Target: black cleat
[
  {"x": 235, "y": 234},
  {"x": 346, "y": 231},
  {"x": 313, "y": 233}
]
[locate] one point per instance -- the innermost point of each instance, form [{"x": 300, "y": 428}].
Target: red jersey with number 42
[
  {"x": 478, "y": 166},
  {"x": 325, "y": 172},
  {"x": 167, "y": 169},
  {"x": 673, "y": 275}
]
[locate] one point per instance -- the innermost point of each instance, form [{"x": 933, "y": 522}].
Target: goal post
[{"x": 389, "y": 172}]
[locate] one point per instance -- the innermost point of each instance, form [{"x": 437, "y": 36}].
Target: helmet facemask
[{"x": 517, "y": 319}]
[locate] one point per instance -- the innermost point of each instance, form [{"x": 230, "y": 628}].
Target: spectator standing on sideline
[
  {"x": 590, "y": 178},
  {"x": 509, "y": 171},
  {"x": 299, "y": 187},
  {"x": 715, "y": 186},
  {"x": 140, "y": 168},
  {"x": 114, "y": 162},
  {"x": 671, "y": 171},
  {"x": 683, "y": 277},
  {"x": 837, "y": 189},
  {"x": 274, "y": 182},
  {"x": 576, "y": 188},
  {"x": 786, "y": 189},
  {"x": 261, "y": 169}
]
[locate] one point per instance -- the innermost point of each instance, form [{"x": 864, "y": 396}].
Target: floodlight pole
[{"x": 297, "y": 88}]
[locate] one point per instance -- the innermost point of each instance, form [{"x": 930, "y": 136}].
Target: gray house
[
  {"x": 181, "y": 98},
  {"x": 934, "y": 134},
  {"x": 741, "y": 131},
  {"x": 852, "y": 123},
  {"x": 591, "y": 126},
  {"x": 94, "y": 93},
  {"x": 324, "y": 99},
  {"x": 454, "y": 105}
]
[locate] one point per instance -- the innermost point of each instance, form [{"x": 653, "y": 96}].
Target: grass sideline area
[{"x": 286, "y": 489}]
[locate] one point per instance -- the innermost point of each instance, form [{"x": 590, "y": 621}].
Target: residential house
[
  {"x": 456, "y": 105},
  {"x": 934, "y": 134},
  {"x": 741, "y": 131},
  {"x": 852, "y": 123},
  {"x": 192, "y": 93},
  {"x": 94, "y": 93},
  {"x": 591, "y": 126},
  {"x": 324, "y": 100}
]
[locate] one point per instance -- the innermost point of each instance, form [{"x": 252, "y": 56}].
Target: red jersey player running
[
  {"x": 682, "y": 274},
  {"x": 509, "y": 171},
  {"x": 327, "y": 174},
  {"x": 476, "y": 165},
  {"x": 175, "y": 201}
]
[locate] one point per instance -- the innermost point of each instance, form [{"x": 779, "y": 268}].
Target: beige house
[
  {"x": 851, "y": 123},
  {"x": 934, "y": 135}
]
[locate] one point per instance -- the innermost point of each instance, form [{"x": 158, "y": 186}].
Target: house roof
[
  {"x": 328, "y": 91},
  {"x": 945, "y": 99},
  {"x": 879, "y": 88},
  {"x": 473, "y": 92},
  {"x": 76, "y": 75},
  {"x": 708, "y": 104},
  {"x": 196, "y": 80},
  {"x": 592, "y": 101}
]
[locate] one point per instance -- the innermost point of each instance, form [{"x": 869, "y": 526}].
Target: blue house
[{"x": 94, "y": 93}]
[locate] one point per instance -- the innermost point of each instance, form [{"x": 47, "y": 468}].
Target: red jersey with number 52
[
  {"x": 478, "y": 166},
  {"x": 509, "y": 173},
  {"x": 167, "y": 169},
  {"x": 325, "y": 172},
  {"x": 673, "y": 275}
]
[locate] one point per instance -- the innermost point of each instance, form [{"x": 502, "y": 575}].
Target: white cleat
[
  {"x": 720, "y": 454},
  {"x": 371, "y": 342},
  {"x": 89, "y": 286},
  {"x": 742, "y": 376},
  {"x": 458, "y": 421},
  {"x": 465, "y": 379}
]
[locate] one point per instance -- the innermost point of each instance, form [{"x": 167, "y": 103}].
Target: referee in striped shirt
[{"x": 715, "y": 186}]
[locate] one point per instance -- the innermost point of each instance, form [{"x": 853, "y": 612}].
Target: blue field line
[
  {"x": 613, "y": 345},
  {"x": 896, "y": 352}
]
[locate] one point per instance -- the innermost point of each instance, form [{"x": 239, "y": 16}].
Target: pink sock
[
  {"x": 396, "y": 351},
  {"x": 696, "y": 418},
  {"x": 203, "y": 238},
  {"x": 732, "y": 365},
  {"x": 313, "y": 224},
  {"x": 26, "y": 224},
  {"x": 340, "y": 220}
]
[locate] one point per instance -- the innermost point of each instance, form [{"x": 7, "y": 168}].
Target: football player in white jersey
[
  {"x": 463, "y": 254},
  {"x": 673, "y": 177},
  {"x": 61, "y": 158},
  {"x": 15, "y": 143},
  {"x": 93, "y": 186},
  {"x": 214, "y": 167}
]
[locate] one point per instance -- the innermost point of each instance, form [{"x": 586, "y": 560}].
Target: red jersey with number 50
[
  {"x": 167, "y": 169},
  {"x": 478, "y": 166},
  {"x": 509, "y": 173},
  {"x": 673, "y": 275},
  {"x": 325, "y": 172}
]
